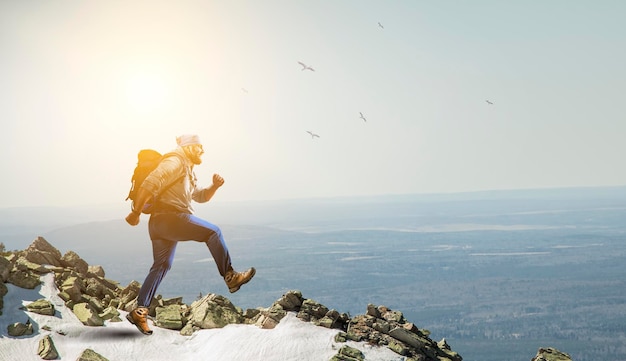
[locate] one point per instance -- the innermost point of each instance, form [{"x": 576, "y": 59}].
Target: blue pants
[{"x": 166, "y": 230}]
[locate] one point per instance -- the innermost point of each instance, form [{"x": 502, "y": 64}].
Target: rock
[
  {"x": 341, "y": 337},
  {"x": 73, "y": 286},
  {"x": 99, "y": 287},
  {"x": 314, "y": 309},
  {"x": 163, "y": 302},
  {"x": 408, "y": 337},
  {"x": 42, "y": 307},
  {"x": 95, "y": 299},
  {"x": 23, "y": 264},
  {"x": 24, "y": 279},
  {"x": 347, "y": 353},
  {"x": 372, "y": 310},
  {"x": 214, "y": 311},
  {"x": 42, "y": 252},
  {"x": 91, "y": 355},
  {"x": 551, "y": 354},
  {"x": 96, "y": 270},
  {"x": 270, "y": 317},
  {"x": 169, "y": 317},
  {"x": 95, "y": 303},
  {"x": 109, "y": 313},
  {"x": 3, "y": 291},
  {"x": 381, "y": 326},
  {"x": 398, "y": 347},
  {"x": 404, "y": 338},
  {"x": 20, "y": 329},
  {"x": 73, "y": 260},
  {"x": 5, "y": 269},
  {"x": 87, "y": 315},
  {"x": 251, "y": 315},
  {"x": 128, "y": 294},
  {"x": 389, "y": 315},
  {"x": 46, "y": 349},
  {"x": 291, "y": 301},
  {"x": 189, "y": 329}
]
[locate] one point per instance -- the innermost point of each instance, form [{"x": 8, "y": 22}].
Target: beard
[{"x": 195, "y": 159}]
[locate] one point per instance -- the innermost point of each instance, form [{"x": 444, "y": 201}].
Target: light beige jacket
[{"x": 174, "y": 185}]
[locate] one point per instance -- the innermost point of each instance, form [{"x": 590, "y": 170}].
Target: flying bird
[
  {"x": 381, "y": 25},
  {"x": 313, "y": 135},
  {"x": 362, "y": 117},
  {"x": 488, "y": 102},
  {"x": 244, "y": 90},
  {"x": 305, "y": 67}
]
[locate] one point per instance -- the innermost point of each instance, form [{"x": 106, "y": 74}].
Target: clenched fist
[{"x": 218, "y": 181}]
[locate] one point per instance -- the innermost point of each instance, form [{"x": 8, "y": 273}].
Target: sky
[
  {"x": 84, "y": 85},
  {"x": 122, "y": 341}
]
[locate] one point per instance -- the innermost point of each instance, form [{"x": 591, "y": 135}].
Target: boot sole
[
  {"x": 130, "y": 319},
  {"x": 235, "y": 289}
]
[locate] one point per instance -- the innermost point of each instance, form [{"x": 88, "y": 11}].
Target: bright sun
[{"x": 146, "y": 92}]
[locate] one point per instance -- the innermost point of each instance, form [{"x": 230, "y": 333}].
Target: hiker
[{"x": 172, "y": 220}]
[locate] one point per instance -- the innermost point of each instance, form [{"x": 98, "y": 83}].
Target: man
[{"x": 172, "y": 220}]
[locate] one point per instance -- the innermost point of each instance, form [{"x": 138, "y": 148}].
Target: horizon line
[{"x": 354, "y": 197}]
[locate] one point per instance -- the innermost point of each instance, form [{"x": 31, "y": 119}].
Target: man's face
[{"x": 195, "y": 152}]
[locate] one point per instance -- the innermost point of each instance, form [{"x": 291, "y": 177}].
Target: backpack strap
[{"x": 184, "y": 164}]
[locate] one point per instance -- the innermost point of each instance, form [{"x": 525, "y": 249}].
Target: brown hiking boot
[
  {"x": 139, "y": 318},
  {"x": 234, "y": 280}
]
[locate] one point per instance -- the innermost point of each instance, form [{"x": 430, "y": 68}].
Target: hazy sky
[{"x": 85, "y": 84}]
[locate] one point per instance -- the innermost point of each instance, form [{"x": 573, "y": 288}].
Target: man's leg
[
  {"x": 199, "y": 230},
  {"x": 163, "y": 255},
  {"x": 210, "y": 234}
]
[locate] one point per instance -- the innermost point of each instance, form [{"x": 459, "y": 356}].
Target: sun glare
[{"x": 146, "y": 92}]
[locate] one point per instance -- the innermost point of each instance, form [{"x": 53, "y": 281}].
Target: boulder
[
  {"x": 551, "y": 354},
  {"x": 384, "y": 327},
  {"x": 41, "y": 306},
  {"x": 291, "y": 301},
  {"x": 73, "y": 286},
  {"x": 214, "y": 311},
  {"x": 20, "y": 329},
  {"x": 87, "y": 315},
  {"x": 163, "y": 302},
  {"x": 24, "y": 279},
  {"x": 42, "y": 252},
  {"x": 128, "y": 294},
  {"x": 73, "y": 260},
  {"x": 100, "y": 287},
  {"x": 46, "y": 349},
  {"x": 3, "y": 291},
  {"x": 94, "y": 302},
  {"x": 314, "y": 309},
  {"x": 169, "y": 317},
  {"x": 389, "y": 315},
  {"x": 96, "y": 270},
  {"x": 347, "y": 353},
  {"x": 408, "y": 337},
  {"x": 23, "y": 264},
  {"x": 5, "y": 269},
  {"x": 270, "y": 317},
  {"x": 109, "y": 313},
  {"x": 372, "y": 310},
  {"x": 91, "y": 355}
]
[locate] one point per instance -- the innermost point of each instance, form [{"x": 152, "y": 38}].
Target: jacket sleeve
[
  {"x": 198, "y": 194},
  {"x": 169, "y": 170}
]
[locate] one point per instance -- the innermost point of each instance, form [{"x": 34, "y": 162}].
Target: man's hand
[
  {"x": 133, "y": 218},
  {"x": 218, "y": 181}
]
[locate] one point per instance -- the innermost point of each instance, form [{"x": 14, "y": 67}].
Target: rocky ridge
[{"x": 95, "y": 299}]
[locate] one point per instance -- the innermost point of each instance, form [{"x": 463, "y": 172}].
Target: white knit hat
[{"x": 187, "y": 139}]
